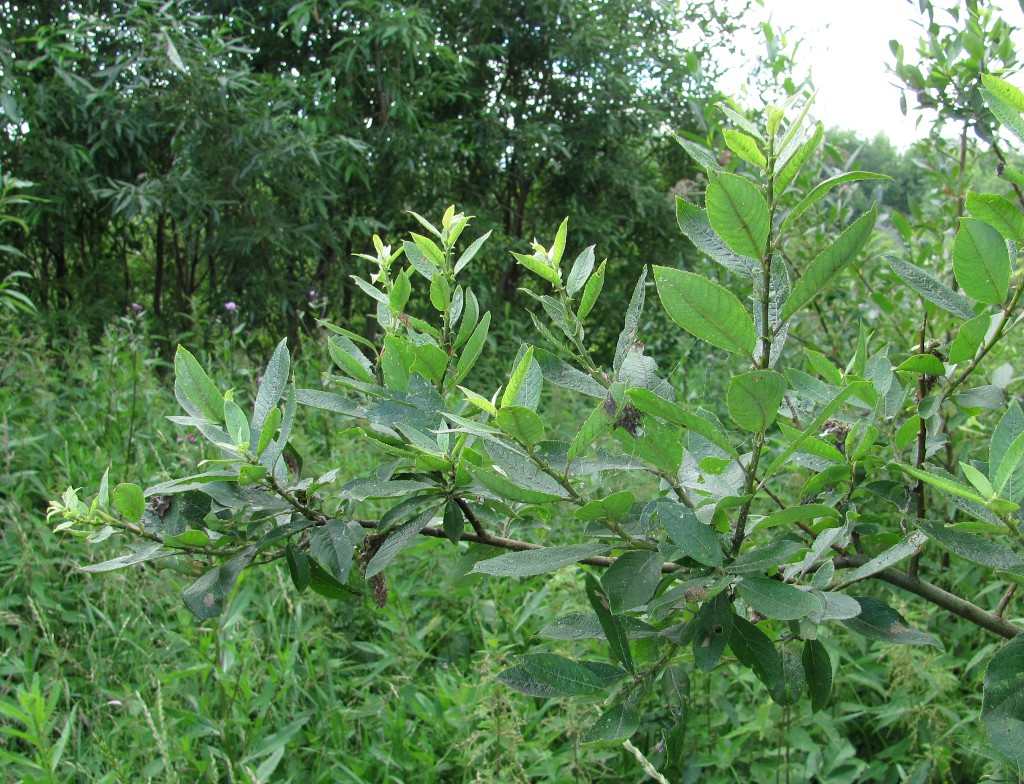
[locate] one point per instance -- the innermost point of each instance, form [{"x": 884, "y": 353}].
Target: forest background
[{"x": 204, "y": 173}]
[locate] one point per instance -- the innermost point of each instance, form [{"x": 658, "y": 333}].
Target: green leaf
[
  {"x": 140, "y": 554},
  {"x": 706, "y": 310},
  {"x": 564, "y": 375},
  {"x": 470, "y": 317},
  {"x": 350, "y": 359},
  {"x": 567, "y": 677},
  {"x": 539, "y": 267},
  {"x": 518, "y": 378},
  {"x": 559, "y": 246},
  {"x": 697, "y": 540},
  {"x": 454, "y": 522},
  {"x": 820, "y": 190},
  {"x": 775, "y": 599},
  {"x": 738, "y": 214},
  {"x": 627, "y": 337},
  {"x": 818, "y": 671},
  {"x": 322, "y": 582},
  {"x": 236, "y": 423},
  {"x": 998, "y": 212},
  {"x": 1004, "y": 91},
  {"x": 599, "y": 421},
  {"x": 694, "y": 223},
  {"x": 275, "y": 379},
  {"x": 931, "y": 288},
  {"x": 1009, "y": 466},
  {"x": 906, "y": 547},
  {"x": 398, "y": 539},
  {"x": 745, "y": 147},
  {"x": 591, "y": 292},
  {"x": 298, "y": 567},
  {"x": 522, "y": 424},
  {"x": 470, "y": 253},
  {"x": 1004, "y": 684},
  {"x": 879, "y": 621},
  {"x": 205, "y": 597},
  {"x": 1006, "y": 433},
  {"x": 943, "y": 483},
  {"x": 197, "y": 387},
  {"x": 440, "y": 293},
  {"x": 650, "y": 403},
  {"x": 765, "y": 557},
  {"x": 826, "y": 268},
  {"x": 1008, "y": 115},
  {"x": 797, "y": 513},
  {"x": 631, "y": 581},
  {"x": 612, "y": 626},
  {"x": 616, "y": 724},
  {"x": 923, "y": 363},
  {"x": 401, "y": 291},
  {"x": 974, "y": 548},
  {"x": 471, "y": 352},
  {"x": 531, "y": 562},
  {"x": 701, "y": 155},
  {"x": 981, "y": 262},
  {"x": 130, "y": 501},
  {"x": 712, "y": 627},
  {"x": 791, "y": 167},
  {"x": 513, "y": 489},
  {"x": 580, "y": 272},
  {"x": 754, "y": 398},
  {"x": 754, "y": 649},
  {"x": 429, "y": 249},
  {"x": 331, "y": 546},
  {"x": 792, "y": 681},
  {"x": 969, "y": 338}
]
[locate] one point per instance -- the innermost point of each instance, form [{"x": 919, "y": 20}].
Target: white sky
[{"x": 845, "y": 43}]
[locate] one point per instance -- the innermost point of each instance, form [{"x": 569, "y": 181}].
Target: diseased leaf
[
  {"x": 706, "y": 310},
  {"x": 879, "y": 621},
  {"x": 205, "y": 597},
  {"x": 712, "y": 627}
]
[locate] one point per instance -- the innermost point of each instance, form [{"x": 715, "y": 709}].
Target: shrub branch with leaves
[{"x": 757, "y": 534}]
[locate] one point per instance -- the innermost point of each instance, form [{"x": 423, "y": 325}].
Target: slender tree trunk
[{"x": 158, "y": 272}]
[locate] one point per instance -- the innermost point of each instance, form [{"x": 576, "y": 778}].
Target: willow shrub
[{"x": 754, "y": 534}]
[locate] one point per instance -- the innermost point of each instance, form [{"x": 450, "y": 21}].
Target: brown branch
[
  {"x": 517, "y": 545},
  {"x": 1005, "y": 600},
  {"x": 937, "y": 596}
]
